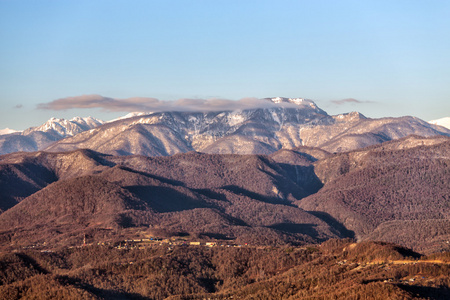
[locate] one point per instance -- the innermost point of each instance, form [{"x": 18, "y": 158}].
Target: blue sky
[{"x": 392, "y": 57}]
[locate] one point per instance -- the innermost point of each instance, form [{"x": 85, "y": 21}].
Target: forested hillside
[
  {"x": 396, "y": 192},
  {"x": 334, "y": 269}
]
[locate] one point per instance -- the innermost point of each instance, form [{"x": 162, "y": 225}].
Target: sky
[{"x": 106, "y": 58}]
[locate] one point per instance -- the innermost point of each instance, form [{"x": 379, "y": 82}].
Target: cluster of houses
[
  {"x": 146, "y": 242},
  {"x": 142, "y": 243}
]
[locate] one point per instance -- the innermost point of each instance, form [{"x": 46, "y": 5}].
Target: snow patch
[
  {"x": 130, "y": 115},
  {"x": 235, "y": 118},
  {"x": 444, "y": 122},
  {"x": 297, "y": 101},
  {"x": 7, "y": 131},
  {"x": 65, "y": 127}
]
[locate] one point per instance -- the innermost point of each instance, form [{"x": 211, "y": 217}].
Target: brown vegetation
[
  {"x": 336, "y": 269},
  {"x": 395, "y": 192},
  {"x": 398, "y": 194}
]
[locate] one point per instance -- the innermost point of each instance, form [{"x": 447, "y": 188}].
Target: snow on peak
[
  {"x": 7, "y": 131},
  {"x": 351, "y": 116},
  {"x": 287, "y": 100},
  {"x": 444, "y": 122},
  {"x": 52, "y": 124},
  {"x": 130, "y": 115},
  {"x": 68, "y": 127},
  {"x": 277, "y": 99},
  {"x": 297, "y": 101},
  {"x": 89, "y": 121}
]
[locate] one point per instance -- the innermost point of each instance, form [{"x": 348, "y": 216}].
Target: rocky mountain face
[
  {"x": 397, "y": 192},
  {"x": 38, "y": 138},
  {"x": 281, "y": 123}
]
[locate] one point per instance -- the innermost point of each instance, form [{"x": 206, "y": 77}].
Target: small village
[
  {"x": 141, "y": 243},
  {"x": 150, "y": 242},
  {"x": 170, "y": 243}
]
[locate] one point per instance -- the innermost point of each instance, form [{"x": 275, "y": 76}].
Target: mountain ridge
[
  {"x": 39, "y": 137},
  {"x": 167, "y": 193},
  {"x": 279, "y": 123},
  {"x": 253, "y": 131},
  {"x": 444, "y": 122}
]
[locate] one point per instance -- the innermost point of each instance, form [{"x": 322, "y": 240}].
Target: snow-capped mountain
[
  {"x": 445, "y": 122},
  {"x": 299, "y": 102},
  {"x": 65, "y": 127},
  {"x": 258, "y": 130},
  {"x": 279, "y": 123},
  {"x": 7, "y": 131},
  {"x": 37, "y": 138}
]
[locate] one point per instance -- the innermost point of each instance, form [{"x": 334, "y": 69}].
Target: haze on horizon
[{"x": 381, "y": 58}]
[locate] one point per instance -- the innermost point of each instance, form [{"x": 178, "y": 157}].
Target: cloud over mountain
[
  {"x": 155, "y": 105},
  {"x": 350, "y": 100}
]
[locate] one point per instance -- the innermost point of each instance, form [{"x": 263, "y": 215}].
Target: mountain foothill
[{"x": 396, "y": 191}]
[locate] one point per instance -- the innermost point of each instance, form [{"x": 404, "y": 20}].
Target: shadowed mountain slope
[
  {"x": 246, "y": 198},
  {"x": 73, "y": 202},
  {"x": 397, "y": 191},
  {"x": 379, "y": 191}
]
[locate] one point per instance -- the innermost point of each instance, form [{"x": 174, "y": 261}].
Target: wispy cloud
[
  {"x": 154, "y": 105},
  {"x": 350, "y": 100}
]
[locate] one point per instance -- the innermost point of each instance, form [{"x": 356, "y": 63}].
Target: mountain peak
[
  {"x": 444, "y": 122},
  {"x": 67, "y": 127},
  {"x": 297, "y": 101},
  {"x": 351, "y": 116},
  {"x": 7, "y": 131}
]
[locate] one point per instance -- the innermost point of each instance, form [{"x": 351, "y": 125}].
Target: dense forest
[
  {"x": 336, "y": 269},
  {"x": 390, "y": 192}
]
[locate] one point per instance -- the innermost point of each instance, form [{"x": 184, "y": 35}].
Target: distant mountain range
[
  {"x": 444, "y": 122},
  {"x": 397, "y": 192},
  {"x": 38, "y": 138},
  {"x": 7, "y": 131},
  {"x": 280, "y": 123}
]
